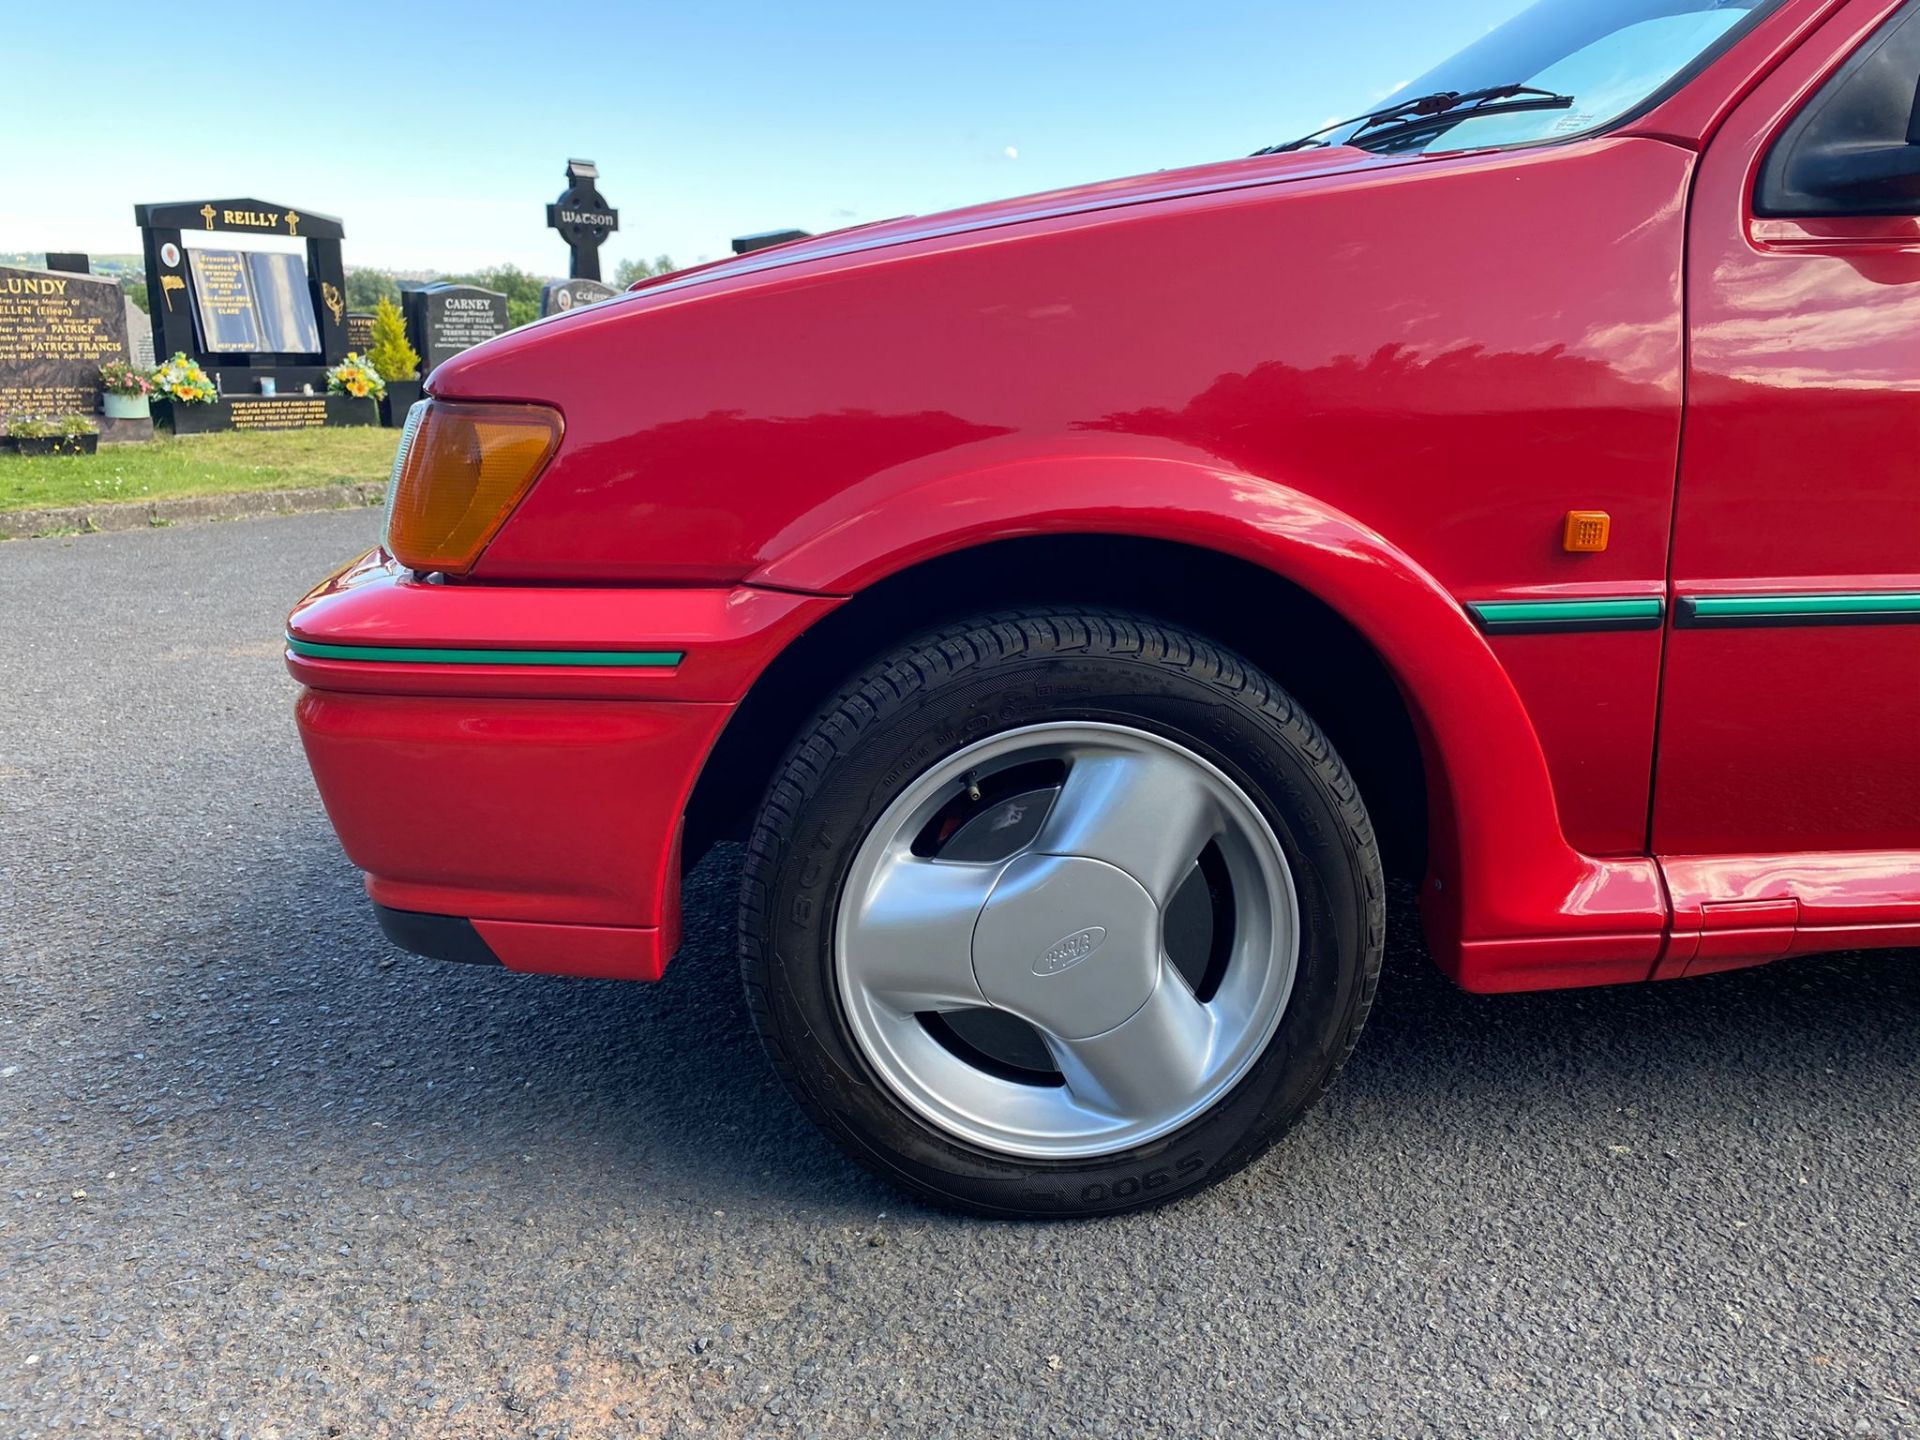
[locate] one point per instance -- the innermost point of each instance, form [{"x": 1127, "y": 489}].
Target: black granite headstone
[
  {"x": 444, "y": 319},
  {"x": 767, "y": 239},
  {"x": 56, "y": 331},
  {"x": 258, "y": 306},
  {"x": 583, "y": 218},
  {"x": 559, "y": 296}
]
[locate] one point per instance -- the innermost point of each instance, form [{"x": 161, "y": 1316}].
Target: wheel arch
[
  {"x": 1326, "y": 665},
  {"x": 1181, "y": 536}
]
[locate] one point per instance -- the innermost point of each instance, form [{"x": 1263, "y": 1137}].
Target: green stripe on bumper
[
  {"x": 415, "y": 655},
  {"x": 1520, "y": 617},
  {"x": 1889, "y": 607}
]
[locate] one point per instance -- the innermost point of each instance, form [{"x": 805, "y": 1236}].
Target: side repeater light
[
  {"x": 461, "y": 471},
  {"x": 1587, "y": 532}
]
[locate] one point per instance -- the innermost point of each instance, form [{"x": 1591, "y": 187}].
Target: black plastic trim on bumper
[{"x": 438, "y": 937}]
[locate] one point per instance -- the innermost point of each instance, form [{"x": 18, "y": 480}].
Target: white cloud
[{"x": 1012, "y": 152}]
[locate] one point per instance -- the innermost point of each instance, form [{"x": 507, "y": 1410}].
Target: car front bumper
[{"x": 510, "y": 765}]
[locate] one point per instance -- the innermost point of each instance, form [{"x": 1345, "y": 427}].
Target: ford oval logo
[{"x": 1071, "y": 951}]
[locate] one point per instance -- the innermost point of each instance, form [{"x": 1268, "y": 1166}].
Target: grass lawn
[{"x": 199, "y": 465}]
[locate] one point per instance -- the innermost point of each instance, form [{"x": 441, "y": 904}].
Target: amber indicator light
[
  {"x": 1587, "y": 532},
  {"x": 465, "y": 470}
]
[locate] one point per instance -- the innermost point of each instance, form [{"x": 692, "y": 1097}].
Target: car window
[
  {"x": 1607, "y": 78},
  {"x": 1609, "y": 56}
]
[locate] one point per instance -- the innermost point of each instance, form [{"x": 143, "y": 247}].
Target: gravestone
[
  {"x": 56, "y": 331},
  {"x": 139, "y": 336},
  {"x": 767, "y": 239},
  {"x": 444, "y": 319},
  {"x": 359, "y": 332},
  {"x": 559, "y": 296},
  {"x": 265, "y": 322},
  {"x": 583, "y": 218}
]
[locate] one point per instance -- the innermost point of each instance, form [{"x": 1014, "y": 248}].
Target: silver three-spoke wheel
[{"x": 1066, "y": 940}]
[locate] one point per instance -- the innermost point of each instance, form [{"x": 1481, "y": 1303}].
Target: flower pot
[
  {"x": 185, "y": 419},
  {"x": 127, "y": 407},
  {"x": 400, "y": 398},
  {"x": 57, "y": 444}
]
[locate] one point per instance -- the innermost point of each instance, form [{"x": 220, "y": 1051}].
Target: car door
[{"x": 1787, "y": 784}]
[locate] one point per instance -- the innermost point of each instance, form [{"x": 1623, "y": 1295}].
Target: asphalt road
[{"x": 263, "y": 1175}]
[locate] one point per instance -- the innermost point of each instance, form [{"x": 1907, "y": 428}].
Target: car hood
[
  {"x": 1051, "y": 204},
  {"x": 502, "y": 365}
]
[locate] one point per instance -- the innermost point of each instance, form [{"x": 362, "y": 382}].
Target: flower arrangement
[
  {"x": 60, "y": 435},
  {"x": 119, "y": 378},
  {"x": 355, "y": 376},
  {"x": 184, "y": 382}
]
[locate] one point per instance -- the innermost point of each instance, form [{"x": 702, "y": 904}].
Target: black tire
[{"x": 953, "y": 687}]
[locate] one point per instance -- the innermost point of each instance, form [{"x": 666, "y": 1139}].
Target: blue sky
[{"x": 439, "y": 131}]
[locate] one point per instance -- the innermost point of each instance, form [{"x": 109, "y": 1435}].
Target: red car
[{"x": 1081, "y": 605}]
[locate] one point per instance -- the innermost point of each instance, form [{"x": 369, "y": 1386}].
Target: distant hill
[
  {"x": 102, "y": 264},
  {"x": 131, "y": 262}
]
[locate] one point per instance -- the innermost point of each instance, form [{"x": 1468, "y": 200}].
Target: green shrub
[{"x": 390, "y": 353}]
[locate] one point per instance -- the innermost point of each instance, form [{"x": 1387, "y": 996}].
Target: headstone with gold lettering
[
  {"x": 266, "y": 321},
  {"x": 226, "y": 319},
  {"x": 56, "y": 331}
]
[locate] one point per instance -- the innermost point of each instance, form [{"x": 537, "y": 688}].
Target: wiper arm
[{"x": 1436, "y": 111}]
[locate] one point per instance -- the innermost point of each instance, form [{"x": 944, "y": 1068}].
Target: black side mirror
[
  {"x": 1854, "y": 149},
  {"x": 1869, "y": 172}
]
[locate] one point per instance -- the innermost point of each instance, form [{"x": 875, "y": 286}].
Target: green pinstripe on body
[
  {"x": 1812, "y": 607},
  {"x": 1493, "y": 616},
  {"x": 418, "y": 655},
  {"x": 1519, "y": 616}
]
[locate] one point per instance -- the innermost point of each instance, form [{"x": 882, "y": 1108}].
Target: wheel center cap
[{"x": 1068, "y": 944}]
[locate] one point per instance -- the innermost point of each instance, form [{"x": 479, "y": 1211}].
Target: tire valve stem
[{"x": 973, "y": 787}]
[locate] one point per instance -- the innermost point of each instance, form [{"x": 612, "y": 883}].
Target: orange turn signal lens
[
  {"x": 461, "y": 470},
  {"x": 1586, "y": 532}
]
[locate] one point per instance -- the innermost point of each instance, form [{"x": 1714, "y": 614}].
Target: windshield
[{"x": 1609, "y": 56}]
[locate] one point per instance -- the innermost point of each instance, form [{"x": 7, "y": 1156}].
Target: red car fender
[{"x": 1508, "y": 902}]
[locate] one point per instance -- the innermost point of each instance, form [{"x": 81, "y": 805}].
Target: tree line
[{"x": 367, "y": 288}]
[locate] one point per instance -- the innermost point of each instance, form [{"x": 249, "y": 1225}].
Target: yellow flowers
[
  {"x": 183, "y": 380},
  {"x": 356, "y": 377}
]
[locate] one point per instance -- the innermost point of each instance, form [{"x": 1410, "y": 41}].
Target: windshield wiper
[{"x": 1437, "y": 111}]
